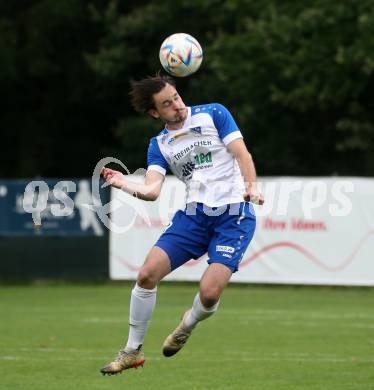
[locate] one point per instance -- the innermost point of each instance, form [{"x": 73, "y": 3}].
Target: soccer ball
[{"x": 181, "y": 55}]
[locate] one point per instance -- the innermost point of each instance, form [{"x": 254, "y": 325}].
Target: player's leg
[
  {"x": 142, "y": 303},
  {"x": 206, "y": 301},
  {"x": 172, "y": 250},
  {"x": 212, "y": 284},
  {"x": 232, "y": 235},
  {"x": 143, "y": 295}
]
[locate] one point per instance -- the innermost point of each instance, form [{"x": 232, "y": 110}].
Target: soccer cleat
[
  {"x": 176, "y": 340},
  {"x": 124, "y": 361}
]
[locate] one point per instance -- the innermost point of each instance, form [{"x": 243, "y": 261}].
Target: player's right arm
[
  {"x": 149, "y": 190},
  {"x": 154, "y": 178}
]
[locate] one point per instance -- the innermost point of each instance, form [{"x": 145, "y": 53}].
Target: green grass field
[{"x": 58, "y": 336}]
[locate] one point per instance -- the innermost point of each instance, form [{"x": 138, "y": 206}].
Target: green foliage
[
  {"x": 50, "y": 100},
  {"x": 7, "y": 51},
  {"x": 298, "y": 77},
  {"x": 132, "y": 134}
]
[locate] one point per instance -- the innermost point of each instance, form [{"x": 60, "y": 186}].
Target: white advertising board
[{"x": 309, "y": 231}]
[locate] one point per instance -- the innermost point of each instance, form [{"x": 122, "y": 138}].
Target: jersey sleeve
[
  {"x": 156, "y": 161},
  {"x": 227, "y": 128}
]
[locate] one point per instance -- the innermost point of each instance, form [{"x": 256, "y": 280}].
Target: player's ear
[{"x": 153, "y": 113}]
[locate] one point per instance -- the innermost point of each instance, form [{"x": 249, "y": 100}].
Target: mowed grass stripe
[{"x": 57, "y": 337}]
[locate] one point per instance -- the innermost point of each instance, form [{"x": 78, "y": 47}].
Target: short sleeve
[
  {"x": 156, "y": 161},
  {"x": 224, "y": 122}
]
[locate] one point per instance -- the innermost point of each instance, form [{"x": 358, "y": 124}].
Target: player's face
[{"x": 169, "y": 107}]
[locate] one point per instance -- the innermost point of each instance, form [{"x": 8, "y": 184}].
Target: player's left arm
[{"x": 247, "y": 168}]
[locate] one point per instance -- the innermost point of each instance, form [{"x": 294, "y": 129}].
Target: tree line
[{"x": 298, "y": 77}]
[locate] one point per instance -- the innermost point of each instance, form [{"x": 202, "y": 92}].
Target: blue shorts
[{"x": 224, "y": 232}]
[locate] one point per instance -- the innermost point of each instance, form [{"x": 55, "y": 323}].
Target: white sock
[
  {"x": 142, "y": 303},
  {"x": 198, "y": 313}
]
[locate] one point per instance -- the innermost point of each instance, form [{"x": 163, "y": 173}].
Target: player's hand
[
  {"x": 114, "y": 178},
  {"x": 254, "y": 197}
]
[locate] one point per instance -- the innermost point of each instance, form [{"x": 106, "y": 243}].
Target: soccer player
[{"x": 202, "y": 146}]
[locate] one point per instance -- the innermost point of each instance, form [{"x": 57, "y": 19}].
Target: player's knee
[
  {"x": 147, "y": 278},
  {"x": 209, "y": 296}
]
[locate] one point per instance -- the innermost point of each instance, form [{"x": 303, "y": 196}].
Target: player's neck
[{"x": 174, "y": 125}]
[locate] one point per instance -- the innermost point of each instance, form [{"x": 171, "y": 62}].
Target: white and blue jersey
[{"x": 198, "y": 156}]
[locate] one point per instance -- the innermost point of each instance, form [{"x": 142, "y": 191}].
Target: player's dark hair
[{"x": 142, "y": 91}]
